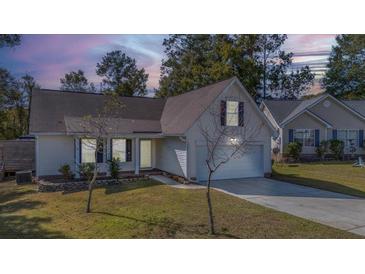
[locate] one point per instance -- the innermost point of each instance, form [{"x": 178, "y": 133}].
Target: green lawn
[
  {"x": 144, "y": 209},
  {"x": 334, "y": 176}
]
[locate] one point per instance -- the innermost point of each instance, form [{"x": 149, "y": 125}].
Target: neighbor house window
[
  {"x": 232, "y": 113},
  {"x": 119, "y": 149},
  {"x": 305, "y": 137},
  {"x": 349, "y": 137},
  {"x": 88, "y": 151}
]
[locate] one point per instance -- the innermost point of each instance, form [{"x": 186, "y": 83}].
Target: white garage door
[{"x": 250, "y": 164}]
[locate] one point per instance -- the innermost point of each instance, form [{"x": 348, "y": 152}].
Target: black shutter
[
  {"x": 80, "y": 150},
  {"x": 241, "y": 112},
  {"x": 223, "y": 113},
  {"x": 291, "y": 135},
  {"x": 100, "y": 152},
  {"x": 128, "y": 143},
  {"x": 316, "y": 137},
  {"x": 111, "y": 149}
]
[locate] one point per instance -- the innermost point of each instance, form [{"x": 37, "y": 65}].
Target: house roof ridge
[
  {"x": 95, "y": 93},
  {"x": 206, "y": 86}
]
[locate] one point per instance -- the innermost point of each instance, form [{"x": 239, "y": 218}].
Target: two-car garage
[{"x": 242, "y": 165}]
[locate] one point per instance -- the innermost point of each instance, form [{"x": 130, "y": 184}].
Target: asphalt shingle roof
[
  {"x": 63, "y": 111},
  {"x": 283, "y": 110}
]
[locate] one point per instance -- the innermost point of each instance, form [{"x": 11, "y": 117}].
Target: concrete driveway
[{"x": 329, "y": 208}]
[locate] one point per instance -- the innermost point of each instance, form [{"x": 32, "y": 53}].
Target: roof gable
[
  {"x": 284, "y": 111},
  {"x": 182, "y": 111}
]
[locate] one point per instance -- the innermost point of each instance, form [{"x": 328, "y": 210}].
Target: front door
[{"x": 146, "y": 154}]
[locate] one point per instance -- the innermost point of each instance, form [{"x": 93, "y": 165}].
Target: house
[
  {"x": 320, "y": 118},
  {"x": 149, "y": 133}
]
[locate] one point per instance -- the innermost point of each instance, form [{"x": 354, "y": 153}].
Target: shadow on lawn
[
  {"x": 320, "y": 184},
  {"x": 13, "y": 195},
  {"x": 170, "y": 227},
  {"x": 127, "y": 186},
  {"x": 13, "y": 225}
]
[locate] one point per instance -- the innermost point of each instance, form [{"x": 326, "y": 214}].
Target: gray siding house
[
  {"x": 147, "y": 133},
  {"x": 320, "y": 118}
]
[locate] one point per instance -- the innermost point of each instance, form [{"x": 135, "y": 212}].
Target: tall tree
[
  {"x": 345, "y": 77},
  {"x": 28, "y": 85},
  {"x": 76, "y": 81},
  {"x": 12, "y": 112},
  {"x": 9, "y": 40},
  {"x": 197, "y": 60},
  {"x": 121, "y": 75},
  {"x": 192, "y": 62}
]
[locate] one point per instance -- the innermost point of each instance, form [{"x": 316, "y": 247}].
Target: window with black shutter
[
  {"x": 100, "y": 152},
  {"x": 241, "y": 112},
  {"x": 129, "y": 150},
  {"x": 223, "y": 113}
]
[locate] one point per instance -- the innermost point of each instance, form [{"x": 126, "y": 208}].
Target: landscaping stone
[{"x": 46, "y": 186}]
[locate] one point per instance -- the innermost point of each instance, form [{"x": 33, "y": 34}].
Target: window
[
  {"x": 88, "y": 151},
  {"x": 305, "y": 137},
  {"x": 232, "y": 113},
  {"x": 349, "y": 137},
  {"x": 119, "y": 149}
]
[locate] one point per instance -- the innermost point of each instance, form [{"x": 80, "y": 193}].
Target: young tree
[
  {"x": 345, "y": 77},
  {"x": 76, "y": 81},
  {"x": 96, "y": 128},
  {"x": 216, "y": 134},
  {"x": 121, "y": 75},
  {"x": 10, "y": 40}
]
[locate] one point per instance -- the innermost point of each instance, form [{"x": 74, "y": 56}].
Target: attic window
[{"x": 232, "y": 113}]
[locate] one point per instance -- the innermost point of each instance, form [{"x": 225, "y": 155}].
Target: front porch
[{"x": 137, "y": 155}]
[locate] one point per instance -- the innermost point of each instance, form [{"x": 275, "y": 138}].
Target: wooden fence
[{"x": 17, "y": 155}]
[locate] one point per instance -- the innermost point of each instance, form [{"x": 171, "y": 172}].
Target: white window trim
[
  {"x": 347, "y": 134},
  {"x": 125, "y": 149},
  {"x": 303, "y": 143},
  {"x": 236, "y": 113},
  {"x": 81, "y": 150}
]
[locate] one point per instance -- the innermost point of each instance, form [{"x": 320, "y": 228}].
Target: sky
[{"x": 48, "y": 57}]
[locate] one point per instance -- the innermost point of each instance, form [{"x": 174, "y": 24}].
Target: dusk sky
[{"x": 49, "y": 57}]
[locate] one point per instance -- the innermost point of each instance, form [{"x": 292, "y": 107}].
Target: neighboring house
[
  {"x": 320, "y": 118},
  {"x": 148, "y": 133}
]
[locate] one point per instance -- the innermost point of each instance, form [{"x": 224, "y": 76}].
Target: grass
[
  {"x": 144, "y": 209},
  {"x": 334, "y": 176}
]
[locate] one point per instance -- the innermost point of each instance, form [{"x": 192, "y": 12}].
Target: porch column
[
  {"x": 107, "y": 153},
  {"x": 77, "y": 153},
  {"x": 137, "y": 156}
]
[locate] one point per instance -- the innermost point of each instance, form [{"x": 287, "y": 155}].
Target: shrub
[
  {"x": 66, "y": 172},
  {"x": 114, "y": 168},
  {"x": 294, "y": 150},
  {"x": 322, "y": 149},
  {"x": 87, "y": 170},
  {"x": 337, "y": 147}
]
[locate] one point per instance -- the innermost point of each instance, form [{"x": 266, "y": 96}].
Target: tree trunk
[
  {"x": 210, "y": 208},
  {"x": 91, "y": 185}
]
